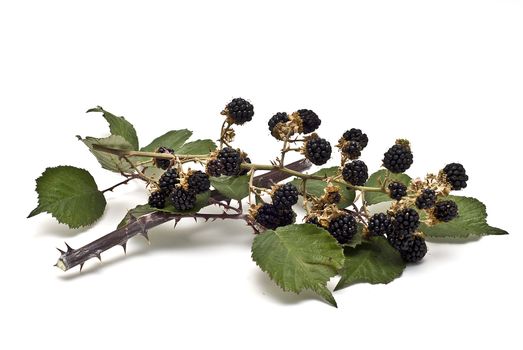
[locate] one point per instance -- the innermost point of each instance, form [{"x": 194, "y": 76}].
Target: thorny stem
[
  {"x": 124, "y": 182},
  {"x": 140, "y": 226}
]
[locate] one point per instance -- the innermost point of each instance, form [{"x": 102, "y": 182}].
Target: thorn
[
  {"x": 60, "y": 250},
  {"x": 69, "y": 249},
  {"x": 124, "y": 246},
  {"x": 195, "y": 220},
  {"x": 81, "y": 266},
  {"x": 99, "y": 256},
  {"x": 146, "y": 236}
]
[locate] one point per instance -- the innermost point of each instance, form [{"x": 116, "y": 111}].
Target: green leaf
[
  {"x": 374, "y": 181},
  {"x": 119, "y": 126},
  {"x": 70, "y": 195},
  {"x": 234, "y": 187},
  {"x": 109, "y": 161},
  {"x": 202, "y": 200},
  {"x": 374, "y": 261},
  {"x": 198, "y": 147},
  {"x": 174, "y": 139},
  {"x": 471, "y": 221},
  {"x": 316, "y": 187},
  {"x": 299, "y": 257}
]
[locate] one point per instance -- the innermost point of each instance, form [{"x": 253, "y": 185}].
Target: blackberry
[
  {"x": 313, "y": 220},
  {"x": 157, "y": 199},
  {"x": 231, "y": 160},
  {"x": 214, "y": 168},
  {"x": 271, "y": 217},
  {"x": 198, "y": 182},
  {"x": 426, "y": 199},
  {"x": 416, "y": 250},
  {"x": 446, "y": 210},
  {"x": 160, "y": 162},
  {"x": 355, "y": 173},
  {"x": 280, "y": 117},
  {"x": 356, "y": 135},
  {"x": 456, "y": 175},
  {"x": 398, "y": 158},
  {"x": 400, "y": 240},
  {"x": 318, "y": 151},
  {"x": 343, "y": 228},
  {"x": 406, "y": 221},
  {"x": 397, "y": 190},
  {"x": 183, "y": 199},
  {"x": 239, "y": 110},
  {"x": 244, "y": 171},
  {"x": 380, "y": 224},
  {"x": 309, "y": 119},
  {"x": 168, "y": 180},
  {"x": 285, "y": 196},
  {"x": 352, "y": 149}
]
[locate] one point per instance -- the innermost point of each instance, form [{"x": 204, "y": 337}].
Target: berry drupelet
[{"x": 356, "y": 173}]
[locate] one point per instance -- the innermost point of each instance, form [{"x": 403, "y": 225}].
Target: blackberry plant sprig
[{"x": 309, "y": 229}]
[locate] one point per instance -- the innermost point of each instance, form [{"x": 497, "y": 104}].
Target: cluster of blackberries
[
  {"x": 342, "y": 227},
  {"x": 352, "y": 143},
  {"x": 399, "y": 157},
  {"x": 280, "y": 212},
  {"x": 307, "y": 121},
  {"x": 182, "y": 196},
  {"x": 227, "y": 162},
  {"x": 239, "y": 111}
]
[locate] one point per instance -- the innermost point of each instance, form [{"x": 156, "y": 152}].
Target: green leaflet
[
  {"x": 316, "y": 187},
  {"x": 299, "y": 257},
  {"x": 471, "y": 221},
  {"x": 374, "y": 181},
  {"x": 235, "y": 187},
  {"x": 173, "y": 139},
  {"x": 109, "y": 161},
  {"x": 70, "y": 195},
  {"x": 198, "y": 147},
  {"x": 119, "y": 126},
  {"x": 373, "y": 261}
]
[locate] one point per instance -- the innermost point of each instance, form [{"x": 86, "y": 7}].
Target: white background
[{"x": 448, "y": 75}]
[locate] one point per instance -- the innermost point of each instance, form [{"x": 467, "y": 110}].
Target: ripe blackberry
[
  {"x": 426, "y": 199},
  {"x": 352, "y": 150},
  {"x": 309, "y": 119},
  {"x": 271, "y": 217},
  {"x": 446, "y": 210},
  {"x": 400, "y": 240},
  {"x": 406, "y": 221},
  {"x": 456, "y": 175},
  {"x": 183, "y": 199},
  {"x": 244, "y": 171},
  {"x": 398, "y": 158},
  {"x": 415, "y": 251},
  {"x": 214, "y": 168},
  {"x": 168, "y": 180},
  {"x": 198, "y": 182},
  {"x": 160, "y": 162},
  {"x": 318, "y": 151},
  {"x": 285, "y": 196},
  {"x": 397, "y": 190},
  {"x": 343, "y": 228},
  {"x": 157, "y": 199},
  {"x": 239, "y": 110},
  {"x": 231, "y": 160},
  {"x": 355, "y": 173},
  {"x": 280, "y": 117},
  {"x": 380, "y": 224},
  {"x": 356, "y": 135}
]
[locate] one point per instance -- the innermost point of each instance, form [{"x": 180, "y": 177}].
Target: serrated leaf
[
  {"x": 119, "y": 126},
  {"x": 357, "y": 239},
  {"x": 198, "y": 147},
  {"x": 299, "y": 257},
  {"x": 70, "y": 195},
  {"x": 374, "y": 181},
  {"x": 234, "y": 187},
  {"x": 173, "y": 139},
  {"x": 135, "y": 213},
  {"x": 109, "y": 161},
  {"x": 373, "y": 261},
  {"x": 316, "y": 187},
  {"x": 471, "y": 221}
]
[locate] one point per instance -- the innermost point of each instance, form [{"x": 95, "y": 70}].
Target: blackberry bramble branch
[{"x": 307, "y": 230}]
